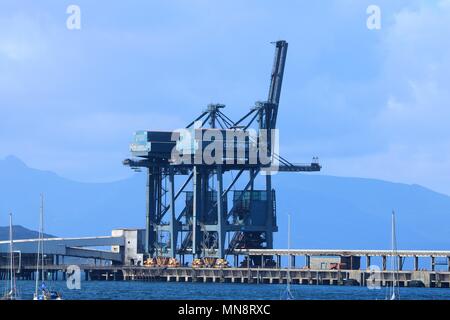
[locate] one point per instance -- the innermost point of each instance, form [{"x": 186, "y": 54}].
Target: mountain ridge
[{"x": 20, "y": 232}]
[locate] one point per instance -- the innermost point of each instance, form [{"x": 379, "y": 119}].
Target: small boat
[
  {"x": 11, "y": 291},
  {"x": 287, "y": 294},
  {"x": 46, "y": 294},
  {"x": 41, "y": 292}
]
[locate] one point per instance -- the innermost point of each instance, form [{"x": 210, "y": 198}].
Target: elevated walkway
[{"x": 85, "y": 247}]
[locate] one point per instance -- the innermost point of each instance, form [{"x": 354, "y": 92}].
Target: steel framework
[{"x": 205, "y": 220}]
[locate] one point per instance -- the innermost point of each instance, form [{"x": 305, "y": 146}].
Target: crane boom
[{"x": 277, "y": 79}]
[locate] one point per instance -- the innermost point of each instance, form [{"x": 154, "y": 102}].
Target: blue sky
[{"x": 368, "y": 103}]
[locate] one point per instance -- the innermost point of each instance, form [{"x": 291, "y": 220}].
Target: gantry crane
[{"x": 200, "y": 222}]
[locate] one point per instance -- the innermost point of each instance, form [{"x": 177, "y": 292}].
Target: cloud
[
  {"x": 412, "y": 123},
  {"x": 21, "y": 38},
  {"x": 90, "y": 145},
  {"x": 417, "y": 73}
]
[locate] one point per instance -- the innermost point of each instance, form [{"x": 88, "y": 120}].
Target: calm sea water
[{"x": 161, "y": 290}]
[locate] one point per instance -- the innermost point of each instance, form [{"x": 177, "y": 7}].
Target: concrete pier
[
  {"x": 321, "y": 267},
  {"x": 275, "y": 276}
]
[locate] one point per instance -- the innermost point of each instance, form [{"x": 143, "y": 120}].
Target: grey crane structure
[{"x": 204, "y": 222}]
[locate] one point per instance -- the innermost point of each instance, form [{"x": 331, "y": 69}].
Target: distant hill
[
  {"x": 71, "y": 208},
  {"x": 327, "y": 212},
  {"x": 20, "y": 232},
  {"x": 352, "y": 213}
]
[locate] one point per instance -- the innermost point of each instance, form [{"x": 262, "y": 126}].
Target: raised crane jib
[{"x": 277, "y": 80}]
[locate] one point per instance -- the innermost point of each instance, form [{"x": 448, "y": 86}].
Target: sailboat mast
[
  {"x": 289, "y": 253},
  {"x": 42, "y": 236},
  {"x": 287, "y": 295},
  {"x": 11, "y": 254},
  {"x": 38, "y": 259},
  {"x": 397, "y": 257},
  {"x": 395, "y": 294},
  {"x": 394, "y": 249},
  {"x": 393, "y": 254}
]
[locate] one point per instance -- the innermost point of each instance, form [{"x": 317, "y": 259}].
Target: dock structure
[
  {"x": 349, "y": 273},
  {"x": 354, "y": 256},
  {"x": 277, "y": 276},
  {"x": 425, "y": 278},
  {"x": 319, "y": 268}
]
